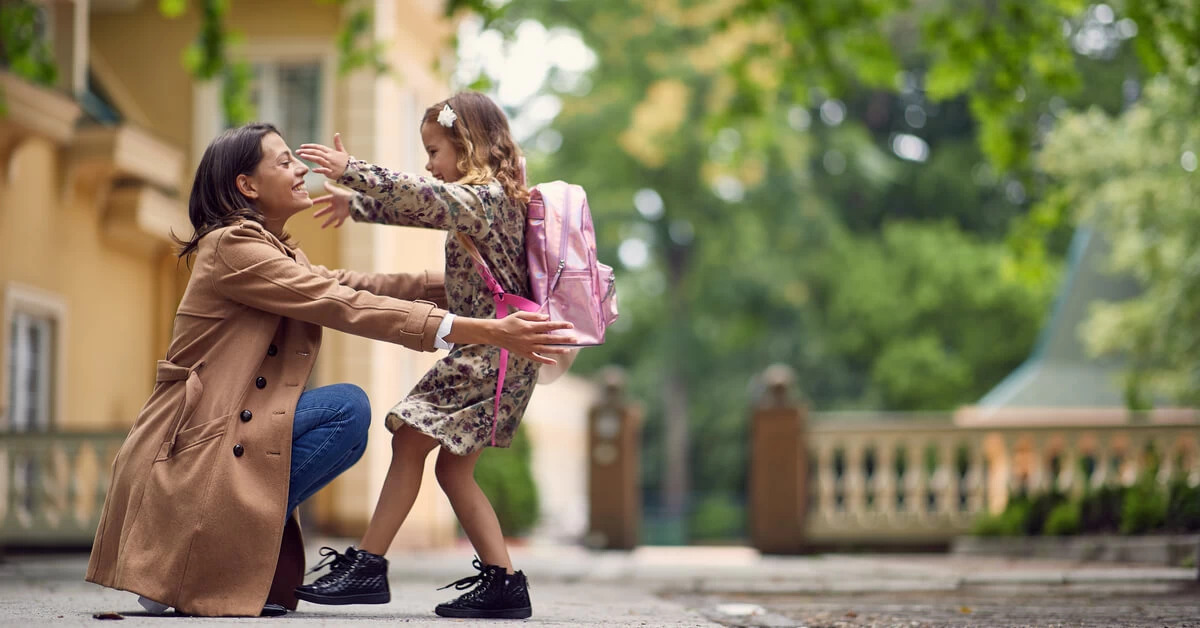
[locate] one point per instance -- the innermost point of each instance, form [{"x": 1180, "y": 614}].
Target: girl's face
[
  {"x": 443, "y": 159},
  {"x": 277, "y": 183}
]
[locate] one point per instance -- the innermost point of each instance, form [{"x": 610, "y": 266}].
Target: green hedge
[
  {"x": 506, "y": 477},
  {"x": 1144, "y": 508}
]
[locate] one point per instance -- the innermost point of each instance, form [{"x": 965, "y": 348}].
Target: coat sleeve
[
  {"x": 426, "y": 286},
  {"x": 409, "y": 200},
  {"x": 250, "y": 270}
]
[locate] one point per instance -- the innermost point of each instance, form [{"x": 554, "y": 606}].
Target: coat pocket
[
  {"x": 175, "y": 504},
  {"x": 202, "y": 433},
  {"x": 193, "y": 390}
]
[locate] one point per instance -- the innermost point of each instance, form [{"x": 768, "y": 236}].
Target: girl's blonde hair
[{"x": 483, "y": 142}]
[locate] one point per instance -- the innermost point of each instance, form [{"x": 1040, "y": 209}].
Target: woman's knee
[{"x": 355, "y": 410}]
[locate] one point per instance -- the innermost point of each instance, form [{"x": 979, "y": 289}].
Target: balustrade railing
[
  {"x": 54, "y": 486},
  {"x": 914, "y": 478}
]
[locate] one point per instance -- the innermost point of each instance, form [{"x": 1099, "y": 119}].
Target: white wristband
[{"x": 443, "y": 330}]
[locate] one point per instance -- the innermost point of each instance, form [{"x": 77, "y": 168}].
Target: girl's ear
[{"x": 246, "y": 186}]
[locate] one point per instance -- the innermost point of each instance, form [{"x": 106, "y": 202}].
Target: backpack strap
[{"x": 503, "y": 302}]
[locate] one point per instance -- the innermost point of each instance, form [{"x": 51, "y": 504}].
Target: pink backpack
[{"x": 566, "y": 279}]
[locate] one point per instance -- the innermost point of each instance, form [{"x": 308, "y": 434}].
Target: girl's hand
[
  {"x": 339, "y": 205},
  {"x": 330, "y": 162},
  {"x": 526, "y": 334}
]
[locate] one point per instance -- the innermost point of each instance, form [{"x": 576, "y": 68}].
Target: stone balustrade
[
  {"x": 54, "y": 486},
  {"x": 820, "y": 479},
  {"x": 926, "y": 478}
]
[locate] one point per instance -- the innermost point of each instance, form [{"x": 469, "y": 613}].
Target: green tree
[
  {"x": 925, "y": 310},
  {"x": 23, "y": 47},
  {"x": 757, "y": 237},
  {"x": 1135, "y": 177}
]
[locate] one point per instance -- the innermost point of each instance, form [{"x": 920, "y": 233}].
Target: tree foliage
[
  {"x": 24, "y": 50},
  {"x": 926, "y": 311},
  {"x": 1135, "y": 177},
  {"x": 996, "y": 54},
  {"x": 23, "y": 47},
  {"x": 779, "y": 222}
]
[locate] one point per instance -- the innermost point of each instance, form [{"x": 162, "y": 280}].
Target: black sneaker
[
  {"x": 517, "y": 593},
  {"x": 494, "y": 596},
  {"x": 356, "y": 577}
]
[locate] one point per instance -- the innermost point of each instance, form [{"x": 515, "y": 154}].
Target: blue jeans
[{"x": 328, "y": 436}]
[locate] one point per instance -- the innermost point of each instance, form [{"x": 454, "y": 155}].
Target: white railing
[
  {"x": 54, "y": 486},
  {"x": 908, "y": 478}
]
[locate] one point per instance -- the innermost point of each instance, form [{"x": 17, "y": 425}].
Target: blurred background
[{"x": 891, "y": 272}]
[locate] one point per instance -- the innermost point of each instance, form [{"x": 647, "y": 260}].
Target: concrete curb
[{"x": 1180, "y": 550}]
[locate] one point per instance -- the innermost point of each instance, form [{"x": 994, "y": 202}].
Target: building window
[
  {"x": 291, "y": 86},
  {"x": 33, "y": 355},
  {"x": 289, "y": 95},
  {"x": 30, "y": 372}
]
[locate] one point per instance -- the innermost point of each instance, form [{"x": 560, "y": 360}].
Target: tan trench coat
[{"x": 194, "y": 516}]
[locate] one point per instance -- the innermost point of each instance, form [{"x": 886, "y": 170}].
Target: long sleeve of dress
[{"x": 399, "y": 198}]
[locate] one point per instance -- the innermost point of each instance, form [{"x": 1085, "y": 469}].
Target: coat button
[
  {"x": 272, "y": 350},
  {"x": 247, "y": 415},
  {"x": 261, "y": 383},
  {"x": 238, "y": 450}
]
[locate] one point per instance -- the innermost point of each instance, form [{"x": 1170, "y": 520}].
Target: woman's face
[
  {"x": 277, "y": 183},
  {"x": 443, "y": 159}
]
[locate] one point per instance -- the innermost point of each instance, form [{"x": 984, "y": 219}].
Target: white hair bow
[{"x": 447, "y": 117}]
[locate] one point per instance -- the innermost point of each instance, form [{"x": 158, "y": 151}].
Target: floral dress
[{"x": 453, "y": 402}]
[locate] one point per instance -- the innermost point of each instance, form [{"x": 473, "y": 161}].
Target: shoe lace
[
  {"x": 479, "y": 580},
  {"x": 332, "y": 558}
]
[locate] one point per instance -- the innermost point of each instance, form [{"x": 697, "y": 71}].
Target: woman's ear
[{"x": 246, "y": 186}]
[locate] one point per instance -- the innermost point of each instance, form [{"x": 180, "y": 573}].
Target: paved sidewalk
[{"x": 661, "y": 586}]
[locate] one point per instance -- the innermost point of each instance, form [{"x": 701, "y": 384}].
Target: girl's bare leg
[
  {"x": 456, "y": 475},
  {"x": 409, "y": 450}
]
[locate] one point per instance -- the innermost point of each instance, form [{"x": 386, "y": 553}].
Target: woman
[{"x": 200, "y": 512}]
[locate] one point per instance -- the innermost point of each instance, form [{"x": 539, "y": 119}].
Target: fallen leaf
[
  {"x": 851, "y": 614},
  {"x": 965, "y": 610},
  {"x": 108, "y": 615}
]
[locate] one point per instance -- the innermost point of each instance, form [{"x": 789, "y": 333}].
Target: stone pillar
[
  {"x": 778, "y": 473},
  {"x": 614, "y": 445}
]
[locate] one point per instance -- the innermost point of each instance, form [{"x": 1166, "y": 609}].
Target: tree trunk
[
  {"x": 676, "y": 482},
  {"x": 675, "y": 442}
]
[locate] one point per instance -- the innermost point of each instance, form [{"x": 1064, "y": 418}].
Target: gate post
[
  {"x": 778, "y": 470},
  {"x": 614, "y": 448}
]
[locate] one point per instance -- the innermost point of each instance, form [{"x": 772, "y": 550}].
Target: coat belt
[{"x": 193, "y": 388}]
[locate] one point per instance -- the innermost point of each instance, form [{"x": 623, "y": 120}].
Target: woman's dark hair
[{"x": 216, "y": 201}]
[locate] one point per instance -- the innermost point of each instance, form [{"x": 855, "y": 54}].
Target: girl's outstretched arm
[
  {"x": 399, "y": 198},
  {"x": 411, "y": 200}
]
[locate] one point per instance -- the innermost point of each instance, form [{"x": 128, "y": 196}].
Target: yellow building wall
[
  {"x": 120, "y": 303},
  {"x": 51, "y": 240},
  {"x": 146, "y": 49}
]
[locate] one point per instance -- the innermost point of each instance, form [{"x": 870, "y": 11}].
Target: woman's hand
[
  {"x": 330, "y": 162},
  {"x": 338, "y": 209},
  {"x": 526, "y": 334}
]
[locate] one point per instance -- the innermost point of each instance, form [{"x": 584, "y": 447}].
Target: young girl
[{"x": 477, "y": 191}]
